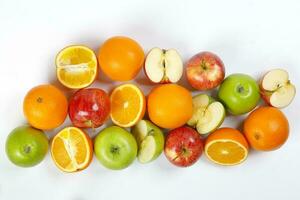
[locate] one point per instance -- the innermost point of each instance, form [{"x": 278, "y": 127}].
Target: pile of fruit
[{"x": 176, "y": 123}]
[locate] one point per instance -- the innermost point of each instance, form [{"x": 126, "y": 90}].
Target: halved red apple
[
  {"x": 163, "y": 66},
  {"x": 276, "y": 88}
]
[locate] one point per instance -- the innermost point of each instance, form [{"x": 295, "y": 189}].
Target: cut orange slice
[
  {"x": 71, "y": 149},
  {"x": 76, "y": 66},
  {"x": 226, "y": 146},
  {"x": 128, "y": 105}
]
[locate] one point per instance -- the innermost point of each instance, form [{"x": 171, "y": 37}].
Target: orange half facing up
[
  {"x": 128, "y": 105},
  {"x": 226, "y": 146},
  {"x": 76, "y": 66},
  {"x": 71, "y": 149}
]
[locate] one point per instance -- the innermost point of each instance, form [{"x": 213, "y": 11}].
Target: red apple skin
[
  {"x": 205, "y": 71},
  {"x": 265, "y": 95},
  {"x": 89, "y": 108},
  {"x": 183, "y": 147}
]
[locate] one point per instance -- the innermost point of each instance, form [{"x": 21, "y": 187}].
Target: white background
[{"x": 250, "y": 36}]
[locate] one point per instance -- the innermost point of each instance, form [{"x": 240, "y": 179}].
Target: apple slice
[
  {"x": 208, "y": 114},
  {"x": 276, "y": 88},
  {"x": 150, "y": 140},
  {"x": 163, "y": 66}
]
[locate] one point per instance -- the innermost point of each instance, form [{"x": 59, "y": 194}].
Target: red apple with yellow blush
[
  {"x": 183, "y": 146},
  {"x": 205, "y": 71},
  {"x": 89, "y": 108}
]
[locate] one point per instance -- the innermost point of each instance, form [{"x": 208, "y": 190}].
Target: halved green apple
[
  {"x": 208, "y": 114},
  {"x": 150, "y": 140}
]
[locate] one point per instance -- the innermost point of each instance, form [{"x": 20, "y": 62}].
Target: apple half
[
  {"x": 163, "y": 66},
  {"x": 276, "y": 88},
  {"x": 208, "y": 114},
  {"x": 150, "y": 140}
]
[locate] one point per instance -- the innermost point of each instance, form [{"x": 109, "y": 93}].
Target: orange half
[
  {"x": 71, "y": 149},
  {"x": 76, "y": 66},
  {"x": 226, "y": 146},
  {"x": 128, "y": 105}
]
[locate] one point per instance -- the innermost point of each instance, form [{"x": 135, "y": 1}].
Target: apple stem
[
  {"x": 203, "y": 65},
  {"x": 151, "y": 132},
  {"x": 114, "y": 149},
  {"x": 27, "y": 149},
  {"x": 240, "y": 89}
]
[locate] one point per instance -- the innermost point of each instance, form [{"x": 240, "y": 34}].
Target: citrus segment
[
  {"x": 76, "y": 66},
  {"x": 127, "y": 105},
  {"x": 71, "y": 149}
]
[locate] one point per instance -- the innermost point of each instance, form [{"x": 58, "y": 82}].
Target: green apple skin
[
  {"x": 26, "y": 146},
  {"x": 239, "y": 93},
  {"x": 151, "y": 130},
  {"x": 115, "y": 148}
]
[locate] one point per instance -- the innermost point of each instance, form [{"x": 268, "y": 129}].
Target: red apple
[
  {"x": 205, "y": 71},
  {"x": 183, "y": 146},
  {"x": 89, "y": 108},
  {"x": 276, "y": 89},
  {"x": 163, "y": 66}
]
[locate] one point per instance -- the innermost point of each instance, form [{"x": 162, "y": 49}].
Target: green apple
[
  {"x": 239, "y": 93},
  {"x": 208, "y": 114},
  {"x": 150, "y": 140},
  {"x": 26, "y": 146},
  {"x": 115, "y": 147}
]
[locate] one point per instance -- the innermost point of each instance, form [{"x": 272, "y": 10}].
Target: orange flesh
[
  {"x": 71, "y": 150},
  {"x": 127, "y": 105},
  {"x": 226, "y": 152},
  {"x": 76, "y": 66}
]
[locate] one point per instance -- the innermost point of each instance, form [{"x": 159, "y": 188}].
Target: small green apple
[
  {"x": 208, "y": 114},
  {"x": 239, "y": 93},
  {"x": 26, "y": 146},
  {"x": 115, "y": 147},
  {"x": 150, "y": 140}
]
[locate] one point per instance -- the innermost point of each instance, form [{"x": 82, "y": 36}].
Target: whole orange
[
  {"x": 266, "y": 128},
  {"x": 121, "y": 58},
  {"x": 170, "y": 105},
  {"x": 45, "y": 107}
]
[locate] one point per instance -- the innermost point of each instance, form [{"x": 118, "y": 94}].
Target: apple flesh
[
  {"x": 183, "y": 146},
  {"x": 163, "y": 66},
  {"x": 150, "y": 140},
  {"x": 208, "y": 114},
  {"x": 89, "y": 108},
  {"x": 276, "y": 88},
  {"x": 115, "y": 148},
  {"x": 205, "y": 71}
]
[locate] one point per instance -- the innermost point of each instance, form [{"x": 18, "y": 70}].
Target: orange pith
[
  {"x": 226, "y": 146},
  {"x": 127, "y": 105},
  {"x": 71, "y": 150}
]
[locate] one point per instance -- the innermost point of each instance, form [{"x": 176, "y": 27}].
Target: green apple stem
[
  {"x": 27, "y": 149},
  {"x": 241, "y": 89},
  {"x": 151, "y": 132},
  {"x": 114, "y": 149}
]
